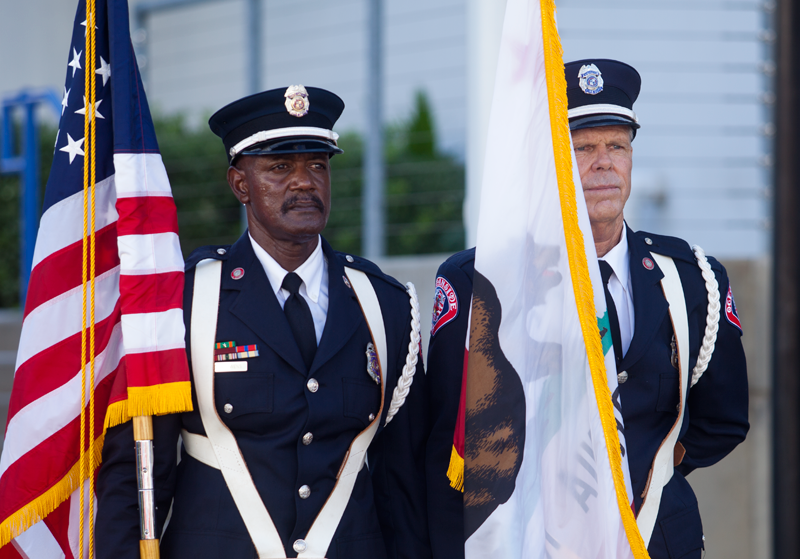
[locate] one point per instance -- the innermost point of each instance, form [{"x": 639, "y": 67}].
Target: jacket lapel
[
  {"x": 344, "y": 313},
  {"x": 256, "y": 305},
  {"x": 649, "y": 305}
]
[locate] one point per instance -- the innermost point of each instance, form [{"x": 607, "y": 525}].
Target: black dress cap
[
  {"x": 601, "y": 92},
  {"x": 294, "y": 119}
]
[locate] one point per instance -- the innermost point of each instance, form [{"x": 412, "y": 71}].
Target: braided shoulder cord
[
  {"x": 712, "y": 317},
  {"x": 404, "y": 382}
]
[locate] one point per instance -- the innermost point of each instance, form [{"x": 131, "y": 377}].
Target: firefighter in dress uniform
[
  {"x": 601, "y": 94},
  {"x": 309, "y": 423}
]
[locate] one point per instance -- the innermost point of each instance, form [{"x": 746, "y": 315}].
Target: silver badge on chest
[
  {"x": 591, "y": 80},
  {"x": 373, "y": 368},
  {"x": 674, "y": 352}
]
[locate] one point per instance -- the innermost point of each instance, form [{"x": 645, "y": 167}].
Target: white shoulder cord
[
  {"x": 712, "y": 317},
  {"x": 404, "y": 382}
]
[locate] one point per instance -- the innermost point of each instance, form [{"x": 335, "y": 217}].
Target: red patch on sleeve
[
  {"x": 445, "y": 304},
  {"x": 730, "y": 310}
]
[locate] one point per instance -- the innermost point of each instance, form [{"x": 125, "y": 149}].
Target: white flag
[{"x": 545, "y": 473}]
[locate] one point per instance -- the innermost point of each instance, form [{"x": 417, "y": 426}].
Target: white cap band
[
  {"x": 291, "y": 132},
  {"x": 601, "y": 109}
]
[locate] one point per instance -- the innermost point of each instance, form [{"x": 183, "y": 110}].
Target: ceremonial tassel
[{"x": 455, "y": 471}]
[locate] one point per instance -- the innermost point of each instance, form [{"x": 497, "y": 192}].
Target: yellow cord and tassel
[
  {"x": 86, "y": 471},
  {"x": 579, "y": 269},
  {"x": 455, "y": 471}
]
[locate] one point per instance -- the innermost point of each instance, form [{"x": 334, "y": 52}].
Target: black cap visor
[{"x": 293, "y": 145}]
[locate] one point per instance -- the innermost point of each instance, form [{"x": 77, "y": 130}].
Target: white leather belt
[
  {"x": 219, "y": 449},
  {"x": 663, "y": 463}
]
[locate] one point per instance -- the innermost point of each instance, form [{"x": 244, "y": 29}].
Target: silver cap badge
[
  {"x": 297, "y": 102},
  {"x": 591, "y": 80}
]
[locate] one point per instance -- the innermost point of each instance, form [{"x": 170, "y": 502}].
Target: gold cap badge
[{"x": 297, "y": 102}]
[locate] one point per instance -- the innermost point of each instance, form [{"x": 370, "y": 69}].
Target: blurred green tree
[{"x": 424, "y": 190}]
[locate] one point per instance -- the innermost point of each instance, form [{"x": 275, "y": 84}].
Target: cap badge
[
  {"x": 296, "y": 100},
  {"x": 373, "y": 368},
  {"x": 591, "y": 80}
]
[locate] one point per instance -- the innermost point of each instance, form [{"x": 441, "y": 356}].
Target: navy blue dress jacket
[
  {"x": 272, "y": 409},
  {"x": 716, "y": 414}
]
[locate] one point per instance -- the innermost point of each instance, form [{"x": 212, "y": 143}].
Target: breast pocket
[
  {"x": 238, "y": 394},
  {"x": 361, "y": 399}
]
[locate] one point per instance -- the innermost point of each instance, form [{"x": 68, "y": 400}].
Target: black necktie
[
  {"x": 299, "y": 316},
  {"x": 613, "y": 319}
]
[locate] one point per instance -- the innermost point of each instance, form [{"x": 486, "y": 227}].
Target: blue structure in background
[{"x": 26, "y": 164}]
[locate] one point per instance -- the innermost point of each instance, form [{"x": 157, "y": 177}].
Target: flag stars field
[
  {"x": 75, "y": 63},
  {"x": 105, "y": 71},
  {"x": 94, "y": 111},
  {"x": 65, "y": 100},
  {"x": 73, "y": 148}
]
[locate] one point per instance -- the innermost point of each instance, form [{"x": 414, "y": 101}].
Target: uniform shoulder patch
[
  {"x": 730, "y": 310},
  {"x": 445, "y": 304}
]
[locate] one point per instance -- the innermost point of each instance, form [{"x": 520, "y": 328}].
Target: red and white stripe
[{"x": 138, "y": 319}]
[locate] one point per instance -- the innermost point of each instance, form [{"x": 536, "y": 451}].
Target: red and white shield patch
[
  {"x": 730, "y": 310},
  {"x": 445, "y": 304}
]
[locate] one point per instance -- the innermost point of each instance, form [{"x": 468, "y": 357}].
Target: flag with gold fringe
[
  {"x": 544, "y": 472},
  {"x": 102, "y": 334}
]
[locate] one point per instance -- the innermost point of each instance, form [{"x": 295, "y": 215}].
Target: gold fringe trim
[
  {"x": 36, "y": 510},
  {"x": 159, "y": 399},
  {"x": 455, "y": 472},
  {"x": 579, "y": 271}
]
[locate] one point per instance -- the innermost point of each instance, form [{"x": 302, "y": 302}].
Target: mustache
[{"x": 297, "y": 199}]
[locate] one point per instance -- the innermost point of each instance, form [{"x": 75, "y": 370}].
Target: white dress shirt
[
  {"x": 619, "y": 285},
  {"x": 314, "y": 289}
]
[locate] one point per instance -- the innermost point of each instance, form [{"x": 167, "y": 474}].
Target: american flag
[{"x": 139, "y": 357}]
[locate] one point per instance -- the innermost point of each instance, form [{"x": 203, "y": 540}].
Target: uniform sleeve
[
  {"x": 718, "y": 403},
  {"x": 445, "y": 368},
  {"x": 397, "y": 462},
  {"x": 117, "y": 525}
]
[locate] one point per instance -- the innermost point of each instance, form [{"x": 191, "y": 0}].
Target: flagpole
[{"x": 143, "y": 437}]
